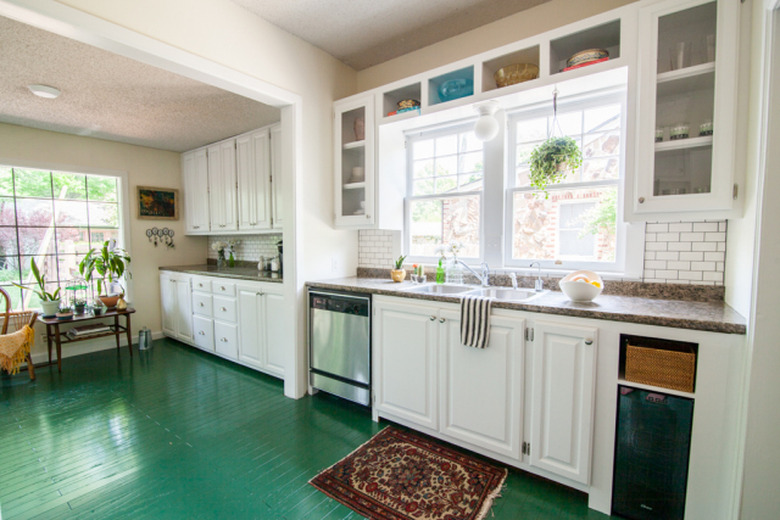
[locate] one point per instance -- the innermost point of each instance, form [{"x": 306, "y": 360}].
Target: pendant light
[{"x": 486, "y": 127}]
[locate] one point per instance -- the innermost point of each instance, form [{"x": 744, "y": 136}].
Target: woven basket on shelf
[{"x": 658, "y": 367}]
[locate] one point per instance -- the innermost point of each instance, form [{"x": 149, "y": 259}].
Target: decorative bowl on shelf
[
  {"x": 587, "y": 56},
  {"x": 455, "y": 88},
  {"x": 581, "y": 286},
  {"x": 408, "y": 103},
  {"x": 515, "y": 73}
]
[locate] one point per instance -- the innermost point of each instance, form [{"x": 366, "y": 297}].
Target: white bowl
[{"x": 578, "y": 288}]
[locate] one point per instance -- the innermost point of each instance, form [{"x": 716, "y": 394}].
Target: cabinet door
[
  {"x": 254, "y": 182},
  {"x": 226, "y": 339},
  {"x": 168, "y": 305},
  {"x": 277, "y": 202},
  {"x": 251, "y": 341},
  {"x": 685, "y": 161},
  {"x": 482, "y": 389},
  {"x": 354, "y": 162},
  {"x": 195, "y": 183},
  {"x": 203, "y": 333},
  {"x": 184, "y": 309},
  {"x": 405, "y": 361},
  {"x": 222, "y": 186},
  {"x": 564, "y": 366},
  {"x": 275, "y": 334}
]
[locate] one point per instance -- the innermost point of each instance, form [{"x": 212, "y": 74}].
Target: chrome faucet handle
[
  {"x": 485, "y": 274},
  {"x": 513, "y": 277},
  {"x": 539, "y": 283}
]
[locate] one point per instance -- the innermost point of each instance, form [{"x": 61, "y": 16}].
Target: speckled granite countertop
[
  {"x": 239, "y": 272},
  {"x": 713, "y": 316}
]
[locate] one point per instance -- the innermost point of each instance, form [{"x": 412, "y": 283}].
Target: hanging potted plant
[
  {"x": 50, "y": 301},
  {"x": 109, "y": 263},
  {"x": 553, "y": 160}
]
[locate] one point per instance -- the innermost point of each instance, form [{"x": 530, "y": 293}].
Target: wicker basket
[{"x": 658, "y": 367}]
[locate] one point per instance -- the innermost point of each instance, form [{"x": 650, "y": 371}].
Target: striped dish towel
[{"x": 475, "y": 321}]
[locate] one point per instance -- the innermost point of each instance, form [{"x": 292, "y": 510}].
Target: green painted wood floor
[{"x": 176, "y": 433}]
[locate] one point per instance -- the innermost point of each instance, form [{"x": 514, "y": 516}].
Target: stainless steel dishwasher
[{"x": 340, "y": 344}]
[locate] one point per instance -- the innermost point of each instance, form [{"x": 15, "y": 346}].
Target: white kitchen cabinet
[
  {"x": 176, "y": 307},
  {"x": 253, "y": 172},
  {"x": 226, "y": 339},
  {"x": 260, "y": 308},
  {"x": 194, "y": 170},
  {"x": 405, "y": 359},
  {"x": 481, "y": 391},
  {"x": 354, "y": 161},
  {"x": 688, "y": 78},
  {"x": 222, "y": 186},
  {"x": 203, "y": 328},
  {"x": 564, "y": 369},
  {"x": 277, "y": 198}
]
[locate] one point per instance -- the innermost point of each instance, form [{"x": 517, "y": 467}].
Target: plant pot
[
  {"x": 398, "y": 275},
  {"x": 78, "y": 308},
  {"x": 50, "y": 307},
  {"x": 110, "y": 301},
  {"x": 62, "y": 316}
]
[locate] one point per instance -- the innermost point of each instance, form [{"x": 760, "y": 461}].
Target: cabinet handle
[
  {"x": 442, "y": 320},
  {"x": 641, "y": 200},
  {"x": 588, "y": 341},
  {"x": 368, "y": 216},
  {"x": 201, "y": 304},
  {"x": 223, "y": 309},
  {"x": 201, "y": 333},
  {"x": 222, "y": 288},
  {"x": 195, "y": 227},
  {"x": 432, "y": 318},
  {"x": 223, "y": 340},
  {"x": 261, "y": 293}
]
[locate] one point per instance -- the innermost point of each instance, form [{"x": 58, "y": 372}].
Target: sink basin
[
  {"x": 435, "y": 288},
  {"x": 506, "y": 294}
]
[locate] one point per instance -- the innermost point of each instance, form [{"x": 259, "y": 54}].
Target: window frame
[{"x": 123, "y": 202}]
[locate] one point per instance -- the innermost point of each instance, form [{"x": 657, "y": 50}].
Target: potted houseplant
[
  {"x": 399, "y": 273},
  {"x": 553, "y": 160},
  {"x": 109, "y": 263},
  {"x": 50, "y": 301}
]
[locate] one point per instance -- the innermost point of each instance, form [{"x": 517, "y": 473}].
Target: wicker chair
[{"x": 14, "y": 321}]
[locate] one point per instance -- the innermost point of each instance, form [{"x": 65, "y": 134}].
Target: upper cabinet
[
  {"x": 685, "y": 161},
  {"x": 229, "y": 186},
  {"x": 354, "y": 162}
]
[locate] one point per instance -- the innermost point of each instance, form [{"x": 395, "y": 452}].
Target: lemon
[{"x": 596, "y": 283}]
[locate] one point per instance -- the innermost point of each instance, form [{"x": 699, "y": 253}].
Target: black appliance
[{"x": 651, "y": 455}]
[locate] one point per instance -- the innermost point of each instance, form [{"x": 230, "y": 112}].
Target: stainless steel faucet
[
  {"x": 539, "y": 283},
  {"x": 513, "y": 277},
  {"x": 484, "y": 278}
]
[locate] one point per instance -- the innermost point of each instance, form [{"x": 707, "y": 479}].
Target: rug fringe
[{"x": 488, "y": 503}]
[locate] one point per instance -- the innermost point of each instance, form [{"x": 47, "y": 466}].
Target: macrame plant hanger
[{"x": 555, "y": 125}]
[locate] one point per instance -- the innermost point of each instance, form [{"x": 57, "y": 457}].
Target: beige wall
[
  {"x": 144, "y": 167},
  {"x": 539, "y": 19}
]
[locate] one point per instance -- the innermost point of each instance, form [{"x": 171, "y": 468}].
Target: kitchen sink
[
  {"x": 507, "y": 294},
  {"x": 434, "y": 288}
]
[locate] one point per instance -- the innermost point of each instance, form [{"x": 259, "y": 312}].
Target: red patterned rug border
[{"x": 365, "y": 505}]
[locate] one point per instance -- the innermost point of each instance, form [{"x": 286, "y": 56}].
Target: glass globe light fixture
[{"x": 486, "y": 127}]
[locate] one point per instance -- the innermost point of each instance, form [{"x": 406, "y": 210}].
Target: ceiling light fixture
[
  {"x": 486, "y": 127},
  {"x": 44, "y": 91}
]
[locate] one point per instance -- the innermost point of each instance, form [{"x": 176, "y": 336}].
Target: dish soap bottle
[{"x": 440, "y": 271}]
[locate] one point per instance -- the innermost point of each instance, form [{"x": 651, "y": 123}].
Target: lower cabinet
[
  {"x": 424, "y": 377},
  {"x": 176, "y": 306},
  {"x": 260, "y": 321}
]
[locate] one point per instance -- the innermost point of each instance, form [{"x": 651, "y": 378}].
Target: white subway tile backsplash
[
  {"x": 705, "y": 226},
  {"x": 681, "y": 226},
  {"x": 656, "y": 227}
]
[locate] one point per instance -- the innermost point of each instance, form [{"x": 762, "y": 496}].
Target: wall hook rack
[{"x": 162, "y": 236}]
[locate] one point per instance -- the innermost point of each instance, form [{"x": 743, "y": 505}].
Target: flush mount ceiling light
[
  {"x": 486, "y": 127},
  {"x": 44, "y": 91}
]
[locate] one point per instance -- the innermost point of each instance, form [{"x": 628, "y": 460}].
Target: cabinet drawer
[
  {"x": 223, "y": 288},
  {"x": 201, "y": 304},
  {"x": 225, "y": 309},
  {"x": 201, "y": 284},
  {"x": 203, "y": 332},
  {"x": 226, "y": 339}
]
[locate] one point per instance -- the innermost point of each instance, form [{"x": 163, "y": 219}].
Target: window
[
  {"x": 576, "y": 223},
  {"x": 54, "y": 217},
  {"x": 444, "y": 194}
]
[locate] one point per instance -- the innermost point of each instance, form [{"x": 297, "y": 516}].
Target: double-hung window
[{"x": 54, "y": 217}]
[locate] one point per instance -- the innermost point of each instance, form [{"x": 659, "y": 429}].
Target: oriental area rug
[{"x": 400, "y": 475}]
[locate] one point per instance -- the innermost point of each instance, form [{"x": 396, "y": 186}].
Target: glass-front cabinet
[
  {"x": 687, "y": 110},
  {"x": 354, "y": 161}
]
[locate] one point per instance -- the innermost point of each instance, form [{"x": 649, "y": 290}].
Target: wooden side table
[{"x": 53, "y": 332}]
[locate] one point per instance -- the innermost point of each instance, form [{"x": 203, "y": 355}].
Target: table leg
[
  {"x": 129, "y": 335},
  {"x": 117, "y": 332},
  {"x": 48, "y": 340},
  {"x": 59, "y": 346}
]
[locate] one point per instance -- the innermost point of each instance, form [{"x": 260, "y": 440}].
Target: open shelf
[
  {"x": 391, "y": 98},
  {"x": 684, "y": 144},
  {"x": 489, "y": 68},
  {"x": 604, "y": 36},
  {"x": 464, "y": 75},
  {"x": 668, "y": 362}
]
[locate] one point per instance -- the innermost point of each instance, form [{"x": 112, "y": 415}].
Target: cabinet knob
[
  {"x": 368, "y": 216},
  {"x": 201, "y": 304},
  {"x": 261, "y": 293},
  {"x": 442, "y": 320},
  {"x": 588, "y": 341},
  {"x": 432, "y": 318},
  {"x": 641, "y": 200},
  {"x": 223, "y": 340},
  {"x": 195, "y": 227},
  {"x": 223, "y": 309},
  {"x": 222, "y": 288},
  {"x": 201, "y": 333}
]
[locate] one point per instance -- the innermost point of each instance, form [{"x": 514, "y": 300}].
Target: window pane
[
  {"x": 601, "y": 144},
  {"x": 447, "y": 165},
  {"x": 69, "y": 268},
  {"x": 447, "y": 145},
  {"x": 9, "y": 270},
  {"x": 600, "y": 169},
  {"x": 471, "y": 162},
  {"x": 423, "y": 187},
  {"x": 423, "y": 168},
  {"x": 71, "y": 213},
  {"x": 532, "y": 130},
  {"x": 47, "y": 265},
  {"x": 7, "y": 241},
  {"x": 441, "y": 221},
  {"x": 6, "y": 182},
  {"x": 103, "y": 214},
  {"x": 576, "y": 224},
  {"x": 446, "y": 184},
  {"x": 36, "y": 241},
  {"x": 69, "y": 186},
  {"x": 104, "y": 189},
  {"x": 32, "y": 183},
  {"x": 570, "y": 124},
  {"x": 469, "y": 142},
  {"x": 16, "y": 297},
  {"x": 72, "y": 240},
  {"x": 422, "y": 149},
  {"x": 602, "y": 118},
  {"x": 7, "y": 212},
  {"x": 101, "y": 235},
  {"x": 34, "y": 212}
]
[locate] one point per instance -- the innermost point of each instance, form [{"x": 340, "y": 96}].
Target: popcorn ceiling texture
[
  {"x": 250, "y": 248},
  {"x": 675, "y": 252}
]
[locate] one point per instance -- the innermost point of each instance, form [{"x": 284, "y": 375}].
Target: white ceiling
[
  {"x": 116, "y": 98},
  {"x": 362, "y": 33}
]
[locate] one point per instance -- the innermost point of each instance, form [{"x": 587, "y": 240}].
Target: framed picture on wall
[{"x": 158, "y": 203}]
